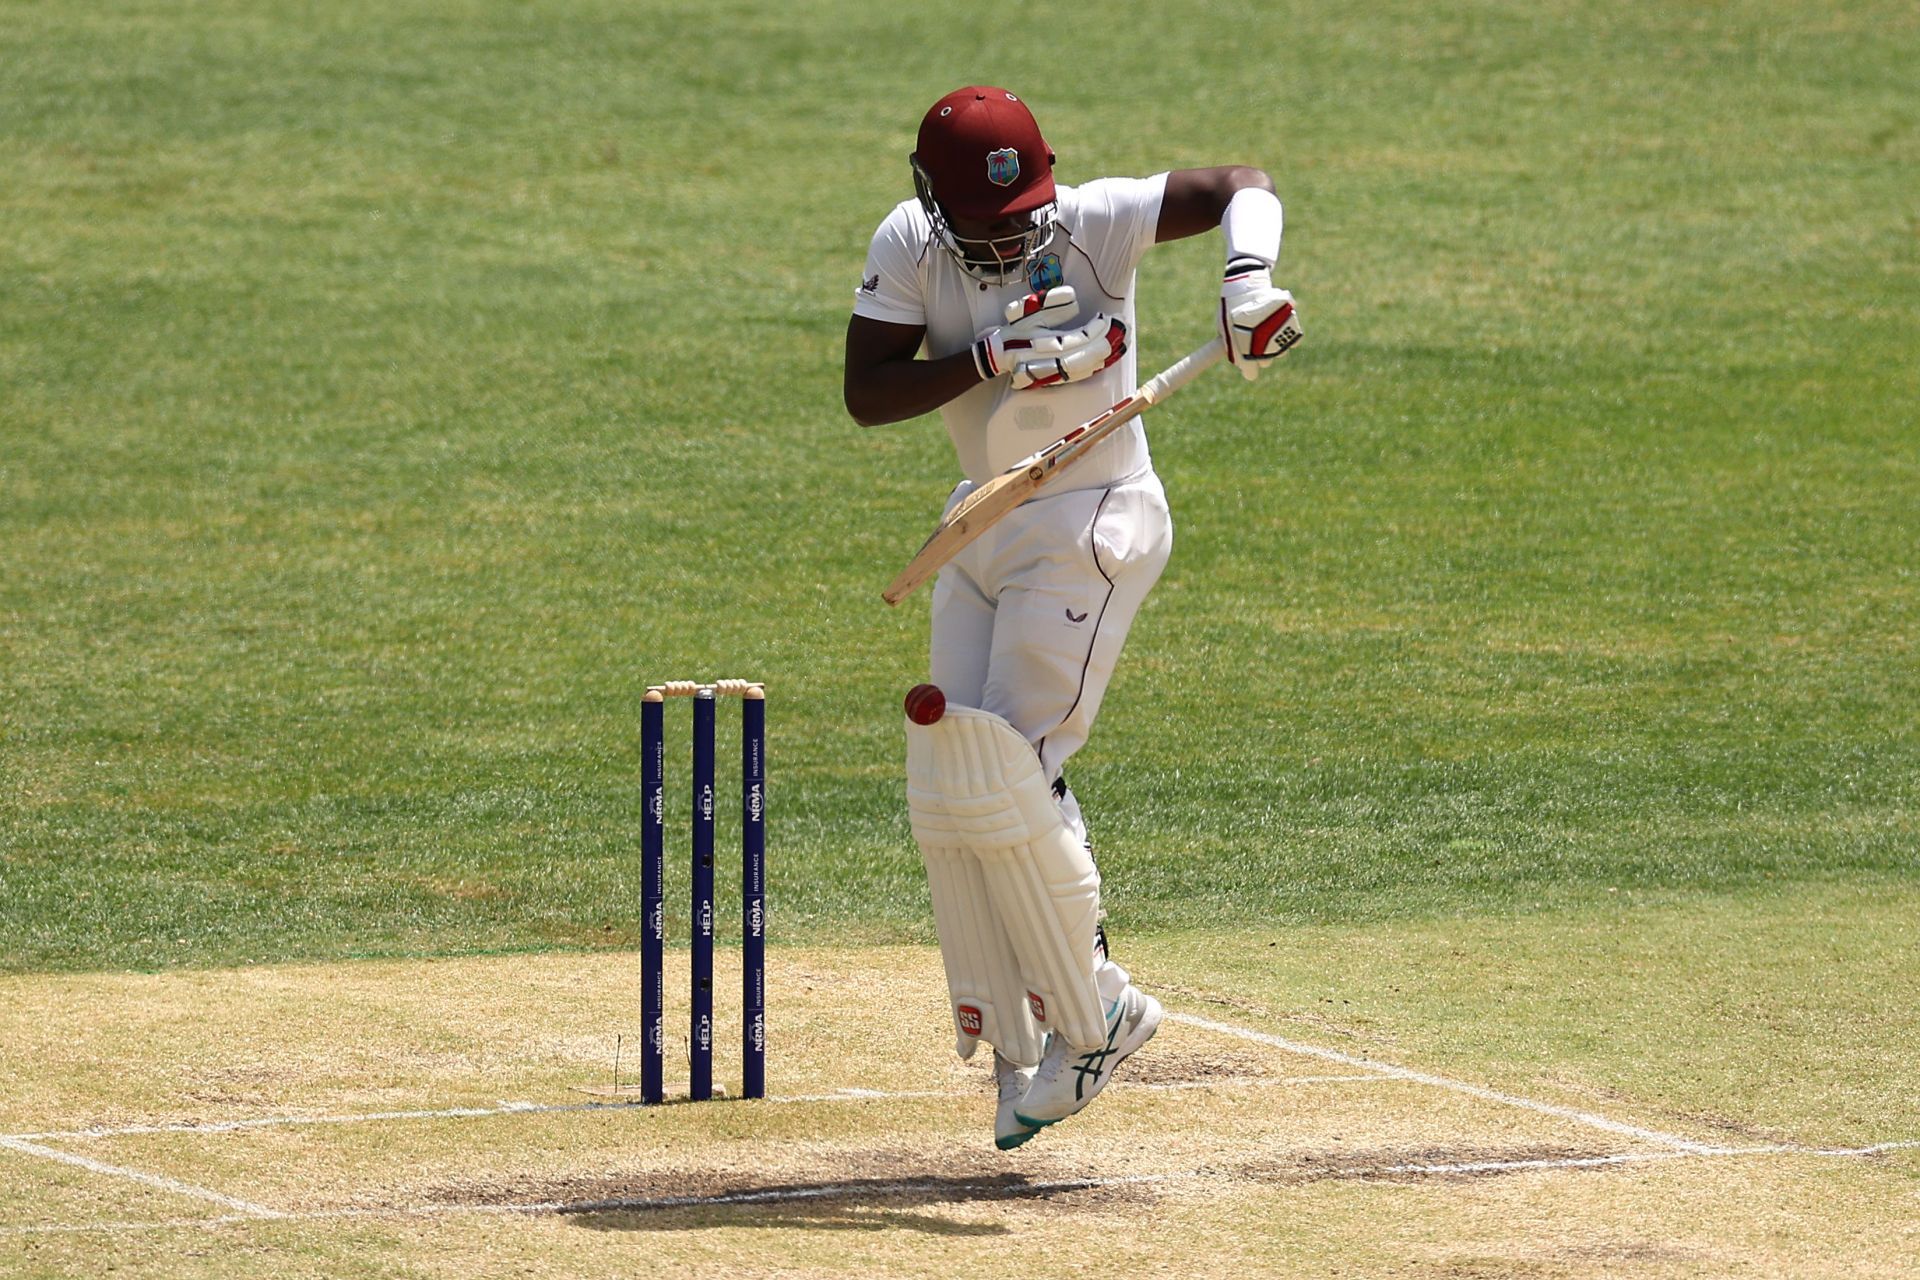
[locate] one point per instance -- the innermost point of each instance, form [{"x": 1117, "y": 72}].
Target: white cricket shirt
[{"x": 1104, "y": 229}]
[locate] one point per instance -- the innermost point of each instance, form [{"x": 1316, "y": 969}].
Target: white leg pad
[
  {"x": 974, "y": 785},
  {"x": 986, "y": 993}
]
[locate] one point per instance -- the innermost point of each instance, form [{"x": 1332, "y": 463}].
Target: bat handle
[{"x": 1171, "y": 380}]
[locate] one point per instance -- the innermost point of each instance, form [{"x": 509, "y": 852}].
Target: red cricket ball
[{"x": 926, "y": 704}]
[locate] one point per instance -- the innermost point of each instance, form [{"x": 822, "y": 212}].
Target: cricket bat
[{"x": 982, "y": 508}]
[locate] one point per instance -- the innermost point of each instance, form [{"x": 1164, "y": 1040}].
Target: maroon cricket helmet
[{"x": 982, "y": 154}]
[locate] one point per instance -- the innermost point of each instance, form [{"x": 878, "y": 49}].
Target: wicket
[{"x": 753, "y": 871}]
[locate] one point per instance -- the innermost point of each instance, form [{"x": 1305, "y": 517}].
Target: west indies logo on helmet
[{"x": 984, "y": 175}]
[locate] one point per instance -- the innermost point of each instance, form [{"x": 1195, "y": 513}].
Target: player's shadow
[{"x": 856, "y": 1204}]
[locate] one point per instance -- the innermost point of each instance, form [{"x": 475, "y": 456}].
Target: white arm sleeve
[{"x": 1252, "y": 225}]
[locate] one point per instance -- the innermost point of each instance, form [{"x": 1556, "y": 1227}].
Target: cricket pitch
[{"x": 437, "y": 1118}]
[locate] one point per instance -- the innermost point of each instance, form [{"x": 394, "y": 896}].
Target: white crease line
[
  {"x": 131, "y": 1225},
  {"x": 150, "y": 1179},
  {"x": 1587, "y": 1118},
  {"x": 1248, "y": 1082},
  {"x": 868, "y": 1095},
  {"x": 560, "y": 1108},
  {"x": 1597, "y": 1162},
  {"x": 271, "y": 1122},
  {"x": 1126, "y": 1086},
  {"x": 948, "y": 1191},
  {"x": 1878, "y": 1148},
  {"x": 1568, "y": 1162}
]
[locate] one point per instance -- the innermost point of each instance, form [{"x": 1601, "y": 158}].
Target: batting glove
[
  {"x": 1034, "y": 329},
  {"x": 1257, "y": 321},
  {"x": 1107, "y": 343}
]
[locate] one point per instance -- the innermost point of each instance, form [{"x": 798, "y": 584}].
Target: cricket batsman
[{"x": 1006, "y": 301}]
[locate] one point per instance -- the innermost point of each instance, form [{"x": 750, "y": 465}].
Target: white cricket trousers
[{"x": 1029, "y": 620}]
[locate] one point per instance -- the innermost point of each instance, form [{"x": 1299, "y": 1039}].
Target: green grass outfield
[{"x": 387, "y": 392}]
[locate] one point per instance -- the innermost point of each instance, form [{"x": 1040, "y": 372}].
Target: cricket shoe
[
  {"x": 1009, "y": 1130},
  {"x": 1068, "y": 1080}
]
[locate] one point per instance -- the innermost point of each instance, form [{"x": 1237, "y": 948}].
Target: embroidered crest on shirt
[{"x": 1045, "y": 273}]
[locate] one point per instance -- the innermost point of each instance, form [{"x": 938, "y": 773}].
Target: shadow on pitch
[{"x": 859, "y": 1204}]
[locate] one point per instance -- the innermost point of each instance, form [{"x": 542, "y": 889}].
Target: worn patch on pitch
[
  {"x": 1420, "y": 1163},
  {"x": 1174, "y": 1063}
]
